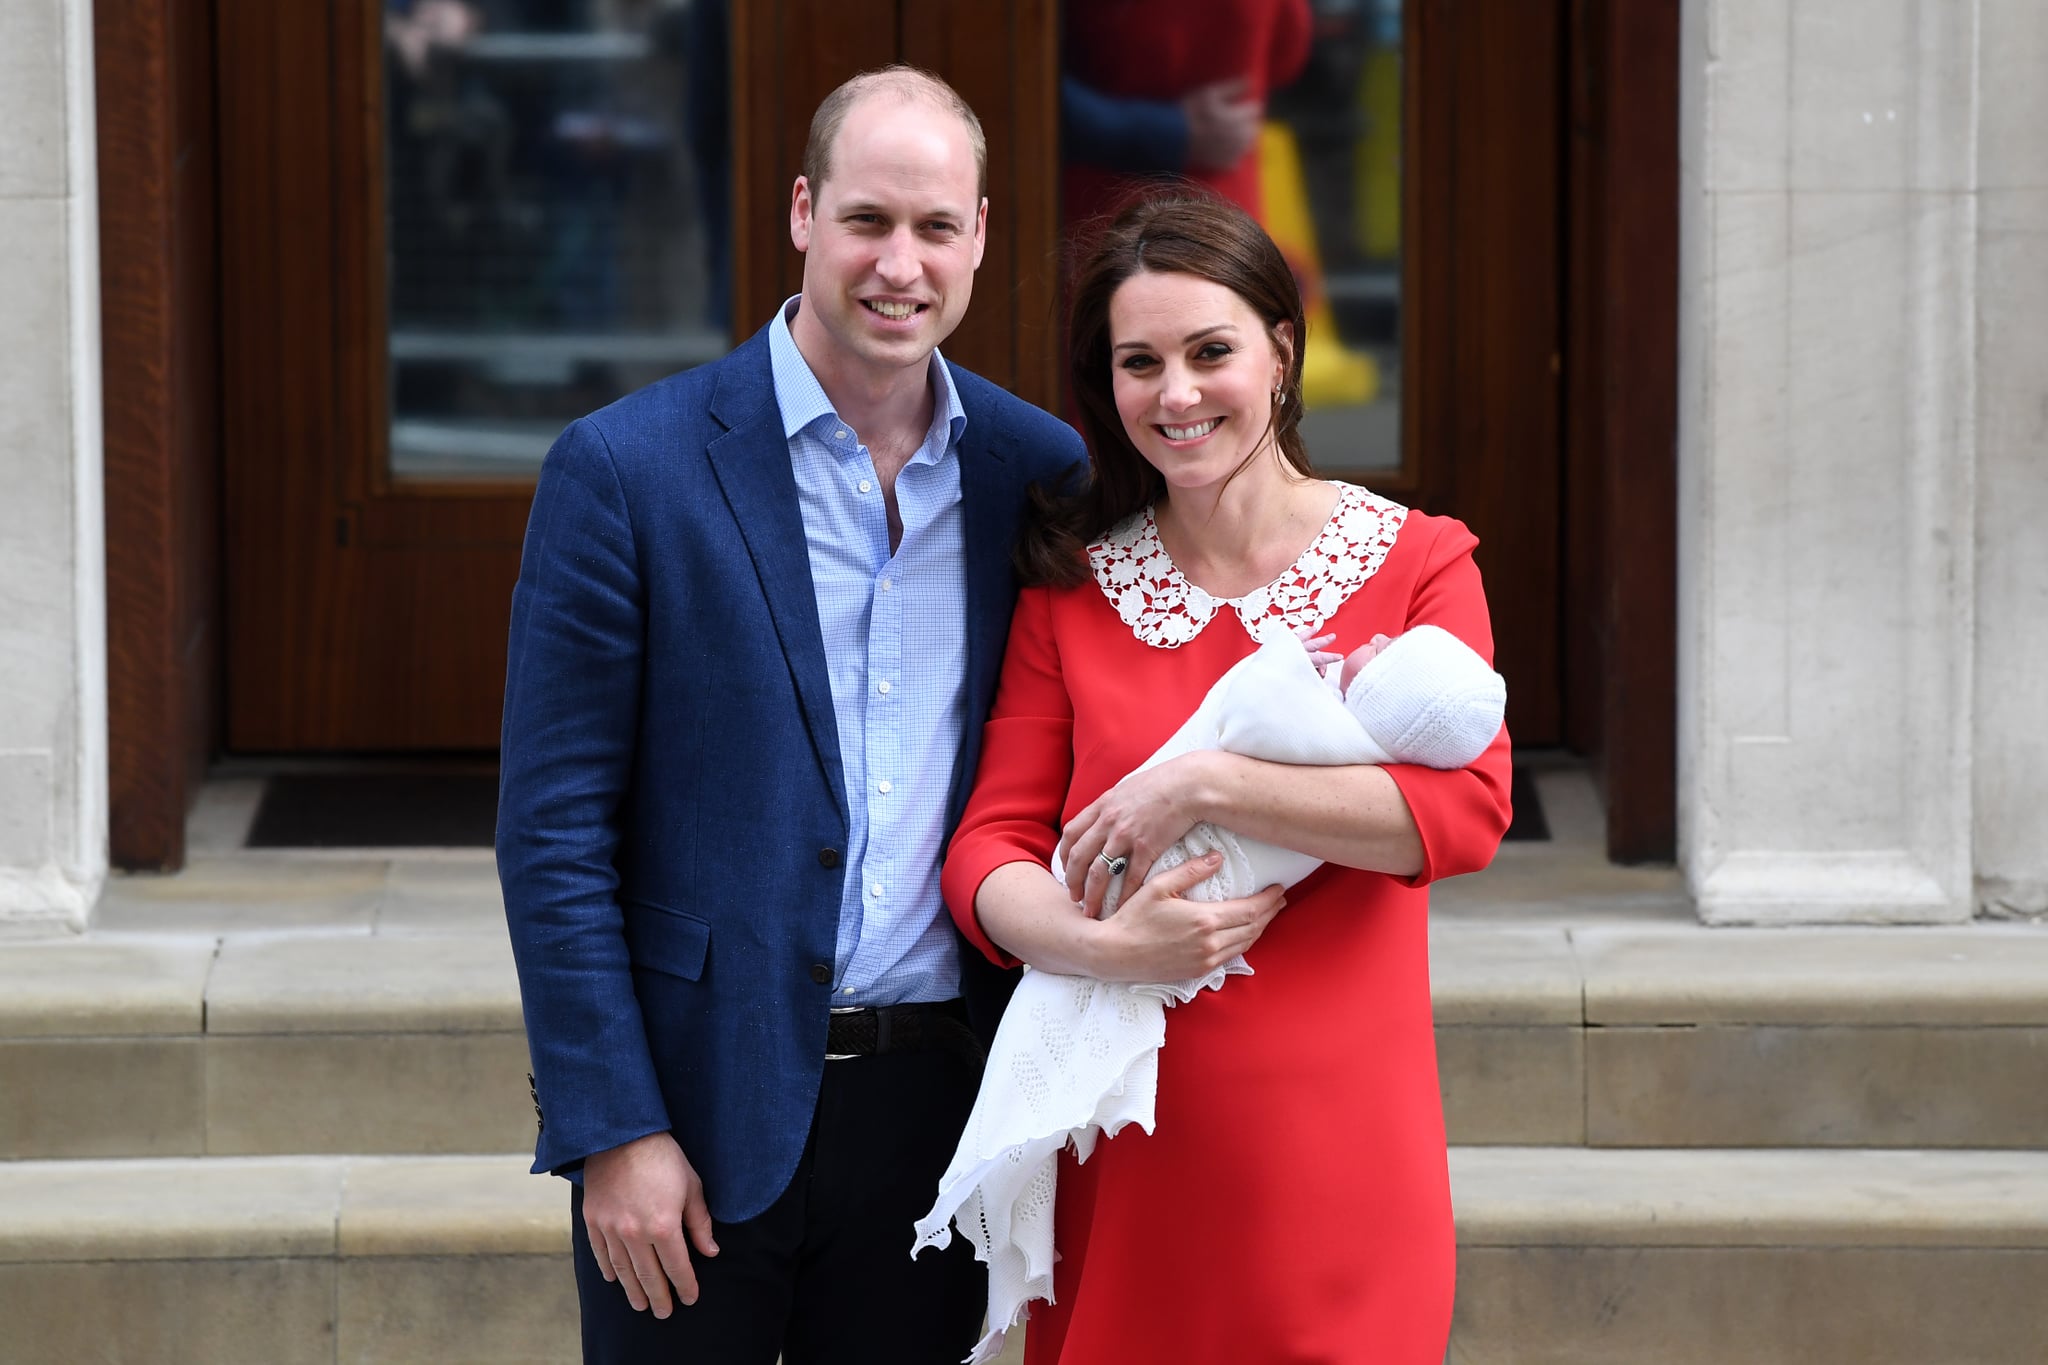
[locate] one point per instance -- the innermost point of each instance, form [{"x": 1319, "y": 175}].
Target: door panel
[{"x": 364, "y": 612}]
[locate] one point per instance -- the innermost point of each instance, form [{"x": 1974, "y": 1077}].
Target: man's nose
[{"x": 898, "y": 264}]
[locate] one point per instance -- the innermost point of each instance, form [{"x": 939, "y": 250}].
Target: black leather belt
[{"x": 940, "y": 1026}]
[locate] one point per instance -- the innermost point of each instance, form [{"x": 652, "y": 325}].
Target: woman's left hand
[{"x": 1139, "y": 819}]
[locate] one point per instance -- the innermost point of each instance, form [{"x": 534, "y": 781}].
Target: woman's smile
[{"x": 1189, "y": 434}]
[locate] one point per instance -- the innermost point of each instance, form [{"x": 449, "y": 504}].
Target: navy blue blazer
[{"x": 672, "y": 817}]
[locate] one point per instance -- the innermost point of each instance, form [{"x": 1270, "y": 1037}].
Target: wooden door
[
  {"x": 365, "y": 611},
  {"x": 368, "y": 573}
]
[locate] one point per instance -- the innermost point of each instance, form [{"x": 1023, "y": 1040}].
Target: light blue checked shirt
[{"x": 895, "y": 644}]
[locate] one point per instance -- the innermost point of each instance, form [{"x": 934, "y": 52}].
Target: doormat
[
  {"x": 1528, "y": 821},
  {"x": 377, "y": 810}
]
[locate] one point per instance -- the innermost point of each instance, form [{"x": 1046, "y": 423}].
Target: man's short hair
[{"x": 901, "y": 82}]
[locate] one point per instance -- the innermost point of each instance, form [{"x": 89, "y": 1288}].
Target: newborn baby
[
  {"x": 1075, "y": 1057},
  {"x": 1424, "y": 697}
]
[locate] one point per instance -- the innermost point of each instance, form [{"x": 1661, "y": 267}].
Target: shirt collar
[{"x": 802, "y": 398}]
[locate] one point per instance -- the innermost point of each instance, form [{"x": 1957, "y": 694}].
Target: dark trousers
[{"x": 824, "y": 1276}]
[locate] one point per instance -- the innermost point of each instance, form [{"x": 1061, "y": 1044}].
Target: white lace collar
[{"x": 1163, "y": 609}]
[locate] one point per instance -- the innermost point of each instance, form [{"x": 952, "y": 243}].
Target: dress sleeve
[
  {"x": 1461, "y": 813},
  {"x": 1027, "y": 763}
]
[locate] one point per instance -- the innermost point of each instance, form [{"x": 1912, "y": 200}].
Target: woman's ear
[{"x": 1283, "y": 342}]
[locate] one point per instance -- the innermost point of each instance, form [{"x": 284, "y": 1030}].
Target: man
[{"x": 757, "y": 629}]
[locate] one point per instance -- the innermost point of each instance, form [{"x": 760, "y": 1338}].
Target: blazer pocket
[{"x": 665, "y": 940}]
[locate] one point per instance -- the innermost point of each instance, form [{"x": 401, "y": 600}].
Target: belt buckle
[{"x": 843, "y": 1056}]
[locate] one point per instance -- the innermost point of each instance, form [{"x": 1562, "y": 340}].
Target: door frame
[
  {"x": 157, "y": 148},
  {"x": 159, "y": 359},
  {"x": 1621, "y": 415}
]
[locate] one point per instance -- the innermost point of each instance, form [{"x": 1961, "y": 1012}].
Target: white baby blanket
[{"x": 1075, "y": 1057}]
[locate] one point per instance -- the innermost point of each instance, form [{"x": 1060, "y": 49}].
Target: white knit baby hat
[{"x": 1428, "y": 698}]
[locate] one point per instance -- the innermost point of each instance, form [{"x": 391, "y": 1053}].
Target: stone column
[
  {"x": 53, "y": 692},
  {"x": 1828, "y": 458},
  {"x": 2012, "y": 462}
]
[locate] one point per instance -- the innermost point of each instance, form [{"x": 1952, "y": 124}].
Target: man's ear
[
  {"x": 800, "y": 209},
  {"x": 980, "y": 232}
]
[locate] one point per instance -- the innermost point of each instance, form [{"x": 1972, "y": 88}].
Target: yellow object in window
[{"x": 1332, "y": 374}]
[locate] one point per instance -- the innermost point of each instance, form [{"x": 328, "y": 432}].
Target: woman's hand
[
  {"x": 1156, "y": 935},
  {"x": 1138, "y": 819}
]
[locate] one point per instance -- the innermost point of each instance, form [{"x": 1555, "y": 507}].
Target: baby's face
[{"x": 1360, "y": 657}]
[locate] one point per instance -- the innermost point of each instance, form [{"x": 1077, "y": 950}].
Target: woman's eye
[
  {"x": 1214, "y": 351},
  {"x": 1134, "y": 363}
]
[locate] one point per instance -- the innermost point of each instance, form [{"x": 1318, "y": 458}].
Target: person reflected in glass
[{"x": 1171, "y": 87}]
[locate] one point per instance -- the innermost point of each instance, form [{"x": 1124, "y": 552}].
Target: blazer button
[
  {"x": 821, "y": 973},
  {"x": 828, "y": 857}
]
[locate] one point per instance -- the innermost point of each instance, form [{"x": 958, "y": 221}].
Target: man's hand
[
  {"x": 637, "y": 1201},
  {"x": 1223, "y": 123}
]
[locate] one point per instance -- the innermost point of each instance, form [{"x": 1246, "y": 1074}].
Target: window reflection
[
  {"x": 558, "y": 201},
  {"x": 1292, "y": 109}
]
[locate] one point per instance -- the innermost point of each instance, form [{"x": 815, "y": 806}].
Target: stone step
[
  {"x": 1671, "y": 1034},
  {"x": 1628, "y": 1033},
  {"x": 284, "y": 1261},
  {"x": 1569, "y": 1256},
  {"x": 261, "y": 1044}
]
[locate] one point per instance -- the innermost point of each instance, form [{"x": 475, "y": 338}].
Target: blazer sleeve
[
  {"x": 1461, "y": 812},
  {"x": 1027, "y": 764},
  {"x": 572, "y": 702}
]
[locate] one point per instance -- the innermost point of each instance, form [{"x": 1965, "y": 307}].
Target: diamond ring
[{"x": 1115, "y": 865}]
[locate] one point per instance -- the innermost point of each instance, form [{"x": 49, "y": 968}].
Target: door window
[{"x": 557, "y": 192}]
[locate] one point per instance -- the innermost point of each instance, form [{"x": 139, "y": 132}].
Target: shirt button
[
  {"x": 883, "y": 687},
  {"x": 865, "y": 486},
  {"x": 883, "y": 786},
  {"x": 839, "y": 435},
  {"x": 828, "y": 857},
  {"x": 875, "y": 890},
  {"x": 821, "y": 973},
  {"x": 846, "y": 990},
  {"x": 887, "y": 584}
]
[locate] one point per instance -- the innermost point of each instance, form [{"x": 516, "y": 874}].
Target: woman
[{"x": 1294, "y": 1202}]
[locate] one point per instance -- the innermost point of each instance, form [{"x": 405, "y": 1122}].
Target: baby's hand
[
  {"x": 1360, "y": 657},
  {"x": 1318, "y": 654}
]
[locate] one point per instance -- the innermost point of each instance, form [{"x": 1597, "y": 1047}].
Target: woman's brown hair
[{"x": 1182, "y": 231}]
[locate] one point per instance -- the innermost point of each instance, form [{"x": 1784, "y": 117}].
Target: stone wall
[
  {"x": 2012, "y": 462},
  {"x": 1829, "y": 458},
  {"x": 53, "y": 751}
]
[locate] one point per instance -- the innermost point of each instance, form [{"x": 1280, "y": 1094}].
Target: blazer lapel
[{"x": 751, "y": 462}]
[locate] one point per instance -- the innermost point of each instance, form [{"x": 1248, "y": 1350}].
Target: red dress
[
  {"x": 1166, "y": 49},
  {"x": 1294, "y": 1203}
]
